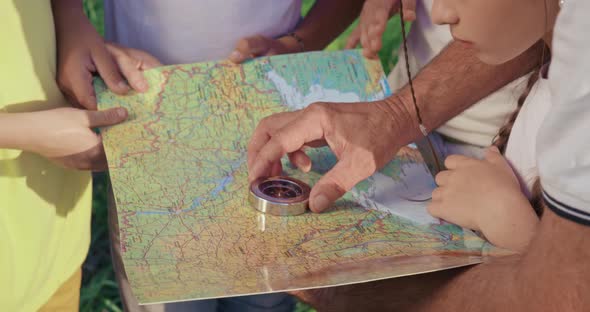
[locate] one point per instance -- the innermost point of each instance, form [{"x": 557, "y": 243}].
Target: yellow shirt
[{"x": 44, "y": 209}]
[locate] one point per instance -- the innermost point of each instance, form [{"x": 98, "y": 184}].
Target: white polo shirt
[
  {"x": 521, "y": 147},
  {"x": 563, "y": 143},
  {"x": 188, "y": 31}
]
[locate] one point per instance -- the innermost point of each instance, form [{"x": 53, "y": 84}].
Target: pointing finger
[{"x": 288, "y": 139}]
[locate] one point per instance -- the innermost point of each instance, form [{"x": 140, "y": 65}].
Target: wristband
[{"x": 298, "y": 39}]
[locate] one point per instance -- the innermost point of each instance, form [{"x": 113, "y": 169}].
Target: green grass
[{"x": 99, "y": 288}]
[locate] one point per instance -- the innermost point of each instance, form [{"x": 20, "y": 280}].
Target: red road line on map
[
  {"x": 146, "y": 126},
  {"x": 124, "y": 215}
]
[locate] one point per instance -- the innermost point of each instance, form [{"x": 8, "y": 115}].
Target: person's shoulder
[
  {"x": 27, "y": 67},
  {"x": 563, "y": 148},
  {"x": 570, "y": 48}
]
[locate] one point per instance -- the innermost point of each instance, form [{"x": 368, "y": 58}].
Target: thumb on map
[{"x": 333, "y": 185}]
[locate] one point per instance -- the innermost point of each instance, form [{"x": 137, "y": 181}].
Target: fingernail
[
  {"x": 142, "y": 86},
  {"x": 123, "y": 85},
  {"x": 121, "y": 112},
  {"x": 320, "y": 203},
  {"x": 235, "y": 55},
  {"x": 306, "y": 167}
]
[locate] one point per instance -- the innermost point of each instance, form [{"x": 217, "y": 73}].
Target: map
[{"x": 179, "y": 175}]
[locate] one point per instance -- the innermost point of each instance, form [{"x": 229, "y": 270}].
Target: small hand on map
[
  {"x": 83, "y": 53},
  {"x": 484, "y": 195}
]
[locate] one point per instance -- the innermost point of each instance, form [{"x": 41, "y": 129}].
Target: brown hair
[{"x": 501, "y": 139}]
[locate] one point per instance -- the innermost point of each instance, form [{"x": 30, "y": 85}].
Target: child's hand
[
  {"x": 373, "y": 21},
  {"x": 485, "y": 195},
  {"x": 65, "y": 136},
  {"x": 83, "y": 52},
  {"x": 255, "y": 46}
]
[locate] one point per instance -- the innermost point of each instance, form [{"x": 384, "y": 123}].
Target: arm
[
  {"x": 14, "y": 132},
  {"x": 451, "y": 83},
  {"x": 82, "y": 52},
  {"x": 63, "y": 135},
  {"x": 325, "y": 21}
]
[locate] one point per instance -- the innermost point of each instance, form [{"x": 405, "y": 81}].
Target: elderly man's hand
[{"x": 363, "y": 136}]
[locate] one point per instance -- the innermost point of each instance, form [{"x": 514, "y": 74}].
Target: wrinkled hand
[
  {"x": 65, "y": 136},
  {"x": 82, "y": 52},
  {"x": 256, "y": 46},
  {"x": 361, "y": 135},
  {"x": 484, "y": 195},
  {"x": 373, "y": 21}
]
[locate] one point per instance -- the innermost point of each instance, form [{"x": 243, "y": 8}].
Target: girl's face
[{"x": 499, "y": 30}]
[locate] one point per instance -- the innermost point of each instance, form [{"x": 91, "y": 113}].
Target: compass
[{"x": 279, "y": 196}]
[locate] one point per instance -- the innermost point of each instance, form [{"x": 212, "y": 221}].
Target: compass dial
[{"x": 280, "y": 195}]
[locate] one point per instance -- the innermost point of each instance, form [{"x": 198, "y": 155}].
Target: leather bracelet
[{"x": 298, "y": 39}]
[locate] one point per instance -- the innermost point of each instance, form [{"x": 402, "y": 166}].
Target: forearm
[
  {"x": 326, "y": 20},
  {"x": 15, "y": 131},
  {"x": 552, "y": 275},
  {"x": 452, "y": 82},
  {"x": 67, "y": 14},
  {"x": 395, "y": 294},
  {"x": 62, "y": 8}
]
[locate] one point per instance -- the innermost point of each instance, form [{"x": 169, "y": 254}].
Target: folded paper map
[{"x": 179, "y": 175}]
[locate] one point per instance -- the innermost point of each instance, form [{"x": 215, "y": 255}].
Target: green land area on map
[{"x": 179, "y": 175}]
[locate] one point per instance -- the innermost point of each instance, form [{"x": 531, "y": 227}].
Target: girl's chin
[{"x": 490, "y": 58}]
